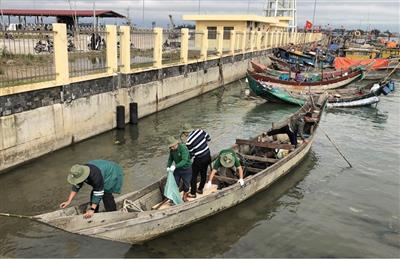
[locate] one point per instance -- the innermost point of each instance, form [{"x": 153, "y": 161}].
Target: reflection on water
[{"x": 371, "y": 113}]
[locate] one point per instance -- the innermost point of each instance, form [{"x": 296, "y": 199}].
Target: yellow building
[{"x": 239, "y": 23}]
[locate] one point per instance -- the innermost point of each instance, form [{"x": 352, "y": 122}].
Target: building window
[
  {"x": 212, "y": 33},
  {"x": 227, "y": 32}
]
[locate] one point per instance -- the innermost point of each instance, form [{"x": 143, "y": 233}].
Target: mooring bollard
[
  {"x": 133, "y": 113},
  {"x": 120, "y": 117}
]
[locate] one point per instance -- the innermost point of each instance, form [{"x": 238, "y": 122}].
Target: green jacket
[
  {"x": 105, "y": 177},
  {"x": 217, "y": 163},
  {"x": 180, "y": 156}
]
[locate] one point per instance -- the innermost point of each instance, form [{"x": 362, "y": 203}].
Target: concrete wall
[{"x": 38, "y": 122}]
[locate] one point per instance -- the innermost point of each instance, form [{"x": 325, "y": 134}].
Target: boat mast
[
  {"x": 313, "y": 17},
  {"x": 2, "y": 17}
]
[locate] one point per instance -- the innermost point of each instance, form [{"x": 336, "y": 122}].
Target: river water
[{"x": 322, "y": 209}]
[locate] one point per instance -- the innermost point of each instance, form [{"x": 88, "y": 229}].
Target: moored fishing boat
[
  {"x": 351, "y": 97},
  {"x": 327, "y": 84},
  {"x": 288, "y": 74},
  {"x": 144, "y": 219}
]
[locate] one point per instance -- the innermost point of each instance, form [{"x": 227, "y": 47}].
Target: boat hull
[
  {"x": 309, "y": 86},
  {"x": 162, "y": 222}
]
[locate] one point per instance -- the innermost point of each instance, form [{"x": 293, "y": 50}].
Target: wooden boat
[
  {"x": 351, "y": 97},
  {"x": 316, "y": 76},
  {"x": 333, "y": 83},
  {"x": 145, "y": 219},
  {"x": 308, "y": 59}
]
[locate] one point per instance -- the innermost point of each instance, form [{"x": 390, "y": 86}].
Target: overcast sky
[{"x": 380, "y": 14}]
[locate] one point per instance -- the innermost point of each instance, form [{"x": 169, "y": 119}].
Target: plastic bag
[{"x": 171, "y": 190}]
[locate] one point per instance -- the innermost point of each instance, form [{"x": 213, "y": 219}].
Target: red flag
[{"x": 308, "y": 25}]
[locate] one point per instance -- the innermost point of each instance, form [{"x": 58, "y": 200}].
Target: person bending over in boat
[
  {"x": 196, "y": 142},
  {"x": 294, "y": 127},
  {"x": 226, "y": 164},
  {"x": 106, "y": 178},
  {"x": 179, "y": 154}
]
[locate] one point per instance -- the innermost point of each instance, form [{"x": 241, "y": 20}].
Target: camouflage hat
[
  {"x": 227, "y": 160},
  {"x": 78, "y": 174},
  {"x": 186, "y": 128},
  {"x": 172, "y": 141}
]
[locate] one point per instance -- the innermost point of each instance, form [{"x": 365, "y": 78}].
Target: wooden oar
[
  {"x": 336, "y": 147},
  {"x": 18, "y": 216},
  {"x": 390, "y": 74}
]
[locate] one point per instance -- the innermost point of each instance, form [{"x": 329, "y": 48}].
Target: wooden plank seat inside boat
[{"x": 167, "y": 204}]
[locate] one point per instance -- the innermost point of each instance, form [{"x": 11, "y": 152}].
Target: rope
[{"x": 129, "y": 205}]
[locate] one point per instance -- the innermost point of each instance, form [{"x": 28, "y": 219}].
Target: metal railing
[
  {"x": 194, "y": 45},
  {"x": 171, "y": 46},
  {"x": 87, "y": 52},
  {"x": 26, "y": 57},
  {"x": 212, "y": 50},
  {"x": 226, "y": 42},
  {"x": 142, "y": 48}
]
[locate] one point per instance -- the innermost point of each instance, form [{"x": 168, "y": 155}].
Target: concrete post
[
  {"x": 61, "y": 53},
  {"x": 112, "y": 49},
  {"x": 244, "y": 42},
  {"x": 286, "y": 38},
  {"x": 157, "y": 52},
  {"x": 204, "y": 45},
  {"x": 125, "y": 48},
  {"x": 252, "y": 35},
  {"x": 258, "y": 40},
  {"x": 276, "y": 39},
  {"x": 269, "y": 39},
  {"x": 265, "y": 46},
  {"x": 232, "y": 42},
  {"x": 220, "y": 42},
  {"x": 184, "y": 45}
]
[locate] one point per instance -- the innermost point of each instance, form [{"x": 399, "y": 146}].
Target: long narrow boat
[
  {"x": 350, "y": 97},
  {"x": 145, "y": 219},
  {"x": 316, "y": 76},
  {"x": 291, "y": 85}
]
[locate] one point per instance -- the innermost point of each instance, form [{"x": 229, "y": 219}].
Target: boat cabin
[{"x": 359, "y": 53}]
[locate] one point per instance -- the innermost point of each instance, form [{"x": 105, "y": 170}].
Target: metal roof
[
  {"x": 235, "y": 17},
  {"x": 47, "y": 12}
]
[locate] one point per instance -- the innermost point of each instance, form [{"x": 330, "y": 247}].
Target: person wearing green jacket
[
  {"x": 179, "y": 154},
  {"x": 106, "y": 178}
]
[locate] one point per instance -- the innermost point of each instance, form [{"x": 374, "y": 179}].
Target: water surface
[{"x": 322, "y": 209}]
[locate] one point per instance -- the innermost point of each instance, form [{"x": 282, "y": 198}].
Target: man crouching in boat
[
  {"x": 179, "y": 154},
  {"x": 104, "y": 176},
  {"x": 294, "y": 127},
  {"x": 226, "y": 164}
]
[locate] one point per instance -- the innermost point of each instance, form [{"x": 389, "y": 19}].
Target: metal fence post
[
  {"x": 204, "y": 45},
  {"x": 61, "y": 53},
  {"x": 232, "y": 42},
  {"x": 158, "y": 47},
  {"x": 184, "y": 45},
  {"x": 125, "y": 48},
  {"x": 111, "y": 43}
]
